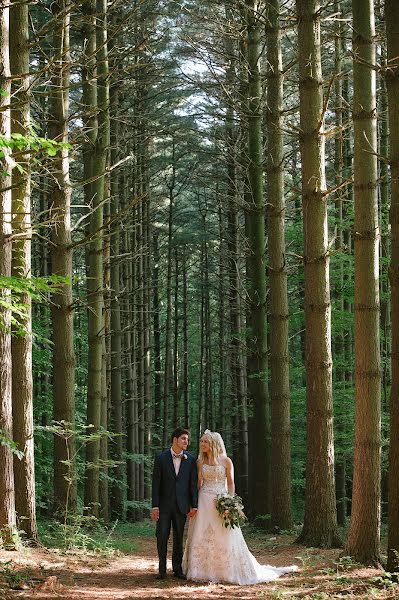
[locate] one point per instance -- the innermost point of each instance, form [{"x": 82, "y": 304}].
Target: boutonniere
[{"x": 185, "y": 456}]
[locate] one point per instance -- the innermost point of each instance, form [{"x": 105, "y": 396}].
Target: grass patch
[
  {"x": 76, "y": 535},
  {"x": 91, "y": 535},
  {"x": 140, "y": 529},
  {"x": 124, "y": 535}
]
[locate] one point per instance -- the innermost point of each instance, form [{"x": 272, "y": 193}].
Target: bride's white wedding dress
[{"x": 215, "y": 553}]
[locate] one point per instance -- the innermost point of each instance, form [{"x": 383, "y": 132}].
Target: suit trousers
[{"x": 168, "y": 516}]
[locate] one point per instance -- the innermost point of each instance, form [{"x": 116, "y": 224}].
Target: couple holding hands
[{"x": 184, "y": 486}]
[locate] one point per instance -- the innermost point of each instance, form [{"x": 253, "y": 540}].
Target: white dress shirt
[{"x": 177, "y": 461}]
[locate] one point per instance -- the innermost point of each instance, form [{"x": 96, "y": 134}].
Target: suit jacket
[{"x": 168, "y": 488}]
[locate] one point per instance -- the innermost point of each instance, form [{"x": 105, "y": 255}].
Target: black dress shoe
[
  {"x": 180, "y": 576},
  {"x": 160, "y": 576}
]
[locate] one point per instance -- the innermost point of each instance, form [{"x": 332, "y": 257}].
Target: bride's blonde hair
[{"x": 214, "y": 445}]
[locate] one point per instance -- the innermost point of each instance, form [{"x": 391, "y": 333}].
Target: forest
[{"x": 199, "y": 227}]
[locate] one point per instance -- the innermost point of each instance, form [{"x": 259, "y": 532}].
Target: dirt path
[{"x": 47, "y": 574}]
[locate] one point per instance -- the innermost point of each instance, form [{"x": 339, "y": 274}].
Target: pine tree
[
  {"x": 7, "y": 494},
  {"x": 281, "y": 517},
  {"x": 364, "y": 533},
  {"x": 65, "y": 485},
  {"x": 320, "y": 521},
  {"x": 392, "y": 81},
  {"x": 22, "y": 384},
  {"x": 257, "y": 343}
]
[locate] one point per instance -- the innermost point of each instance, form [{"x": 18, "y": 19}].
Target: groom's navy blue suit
[{"x": 174, "y": 495}]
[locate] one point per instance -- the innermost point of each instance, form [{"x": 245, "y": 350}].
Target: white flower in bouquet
[{"x": 231, "y": 510}]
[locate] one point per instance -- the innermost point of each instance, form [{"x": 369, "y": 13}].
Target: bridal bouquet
[{"x": 231, "y": 510}]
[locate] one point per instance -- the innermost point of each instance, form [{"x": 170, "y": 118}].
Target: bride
[{"x": 215, "y": 553}]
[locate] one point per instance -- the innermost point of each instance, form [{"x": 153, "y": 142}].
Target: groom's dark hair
[{"x": 178, "y": 432}]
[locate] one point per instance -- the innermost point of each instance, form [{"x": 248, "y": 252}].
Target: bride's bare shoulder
[{"x": 225, "y": 461}]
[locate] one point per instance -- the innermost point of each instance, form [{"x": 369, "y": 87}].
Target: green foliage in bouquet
[{"x": 231, "y": 510}]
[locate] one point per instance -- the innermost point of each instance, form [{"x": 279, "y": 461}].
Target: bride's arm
[
  {"x": 199, "y": 469},
  {"x": 231, "y": 488}
]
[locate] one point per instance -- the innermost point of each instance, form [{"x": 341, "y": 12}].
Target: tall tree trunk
[
  {"x": 94, "y": 193},
  {"x": 65, "y": 488},
  {"x": 320, "y": 521},
  {"x": 116, "y": 329},
  {"x": 234, "y": 356},
  {"x": 168, "y": 362},
  {"x": 363, "y": 542},
  {"x": 384, "y": 202},
  {"x": 136, "y": 364},
  {"x": 42, "y": 383},
  {"x": 141, "y": 343},
  {"x": 7, "y": 495},
  {"x": 103, "y": 491},
  {"x": 102, "y": 162},
  {"x": 259, "y": 450},
  {"x": 220, "y": 412},
  {"x": 208, "y": 391},
  {"x": 338, "y": 341},
  {"x": 281, "y": 515},
  {"x": 22, "y": 384},
  {"x": 176, "y": 390},
  {"x": 146, "y": 412},
  {"x": 201, "y": 425},
  {"x": 348, "y": 352},
  {"x": 392, "y": 81},
  {"x": 185, "y": 356},
  {"x": 130, "y": 389},
  {"x": 157, "y": 333},
  {"x": 383, "y": 218}
]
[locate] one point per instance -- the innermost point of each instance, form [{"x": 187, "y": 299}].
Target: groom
[{"x": 174, "y": 496}]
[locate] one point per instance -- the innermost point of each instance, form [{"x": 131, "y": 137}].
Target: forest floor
[{"x": 125, "y": 568}]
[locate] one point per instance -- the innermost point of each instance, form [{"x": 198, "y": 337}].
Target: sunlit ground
[{"x": 81, "y": 574}]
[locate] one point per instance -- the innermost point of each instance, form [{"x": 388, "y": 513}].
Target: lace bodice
[{"x": 214, "y": 479}]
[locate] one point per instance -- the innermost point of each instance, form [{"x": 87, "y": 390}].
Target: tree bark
[
  {"x": 95, "y": 158},
  {"x": 156, "y": 332},
  {"x": 116, "y": 328},
  {"x": 8, "y": 529},
  {"x": 338, "y": 342},
  {"x": 22, "y": 383},
  {"x": 176, "y": 390},
  {"x": 168, "y": 361},
  {"x": 65, "y": 486},
  {"x": 281, "y": 515},
  {"x": 234, "y": 357},
  {"x": 103, "y": 489},
  {"x": 320, "y": 520},
  {"x": 392, "y": 82},
  {"x": 129, "y": 325},
  {"x": 363, "y": 542},
  {"x": 208, "y": 386},
  {"x": 220, "y": 409},
  {"x": 259, "y": 451},
  {"x": 185, "y": 353}
]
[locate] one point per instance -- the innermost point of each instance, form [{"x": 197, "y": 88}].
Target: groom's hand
[
  {"x": 193, "y": 512},
  {"x": 155, "y": 514}
]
